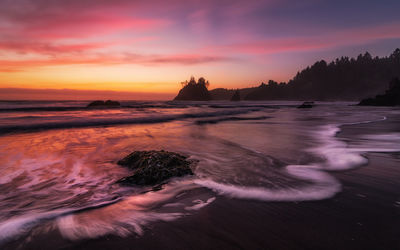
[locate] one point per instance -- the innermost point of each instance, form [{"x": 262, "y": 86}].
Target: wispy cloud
[
  {"x": 328, "y": 40},
  {"x": 47, "y": 48},
  {"x": 68, "y": 19},
  {"x": 98, "y": 59},
  {"x": 71, "y": 94}
]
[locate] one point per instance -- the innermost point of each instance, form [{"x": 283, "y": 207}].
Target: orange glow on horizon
[{"x": 150, "y": 47}]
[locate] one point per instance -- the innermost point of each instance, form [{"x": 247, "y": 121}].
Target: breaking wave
[
  {"x": 336, "y": 155},
  {"x": 90, "y": 122}
]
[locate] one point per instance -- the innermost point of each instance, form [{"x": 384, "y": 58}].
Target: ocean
[{"x": 59, "y": 172}]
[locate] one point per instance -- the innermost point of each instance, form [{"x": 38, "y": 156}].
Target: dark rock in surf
[
  {"x": 236, "y": 96},
  {"x": 390, "y": 98},
  {"x": 155, "y": 167},
  {"x": 306, "y": 105},
  {"x": 105, "y": 104}
]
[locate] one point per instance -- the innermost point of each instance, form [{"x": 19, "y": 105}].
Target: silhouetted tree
[
  {"x": 184, "y": 83},
  {"x": 236, "y": 96},
  {"x": 272, "y": 83},
  {"x": 342, "y": 79},
  {"x": 202, "y": 81},
  {"x": 192, "y": 81}
]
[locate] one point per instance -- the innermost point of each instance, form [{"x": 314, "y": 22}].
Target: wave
[
  {"x": 231, "y": 118},
  {"x": 241, "y": 105},
  {"x": 81, "y": 105},
  {"x": 83, "y": 108},
  {"x": 124, "y": 215},
  {"x": 19, "y": 225},
  {"x": 32, "y": 109},
  {"x": 335, "y": 152},
  {"x": 108, "y": 122},
  {"x": 337, "y": 157},
  {"x": 133, "y": 213}
]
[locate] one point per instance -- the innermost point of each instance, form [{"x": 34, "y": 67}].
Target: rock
[
  {"x": 194, "y": 91},
  {"x": 306, "y": 105},
  {"x": 112, "y": 103},
  {"x": 390, "y": 98},
  {"x": 106, "y": 104},
  {"x": 155, "y": 167},
  {"x": 96, "y": 103}
]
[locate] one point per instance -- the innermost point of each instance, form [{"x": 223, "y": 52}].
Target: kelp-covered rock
[{"x": 154, "y": 167}]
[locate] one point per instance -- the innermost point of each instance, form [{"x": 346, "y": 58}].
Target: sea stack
[{"x": 194, "y": 91}]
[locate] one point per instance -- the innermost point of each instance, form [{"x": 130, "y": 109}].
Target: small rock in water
[
  {"x": 306, "y": 105},
  {"x": 107, "y": 103},
  {"x": 154, "y": 167}
]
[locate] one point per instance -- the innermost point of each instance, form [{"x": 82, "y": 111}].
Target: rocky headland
[{"x": 390, "y": 98}]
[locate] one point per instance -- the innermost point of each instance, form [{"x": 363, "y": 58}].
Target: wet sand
[{"x": 365, "y": 215}]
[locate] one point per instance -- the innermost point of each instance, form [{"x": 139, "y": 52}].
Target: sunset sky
[{"x": 151, "y": 46}]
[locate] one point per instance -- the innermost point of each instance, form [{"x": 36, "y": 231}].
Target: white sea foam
[
  {"x": 75, "y": 227},
  {"x": 128, "y": 216},
  {"x": 22, "y": 224},
  {"x": 336, "y": 153},
  {"x": 387, "y": 142},
  {"x": 337, "y": 156},
  {"x": 200, "y": 204}
]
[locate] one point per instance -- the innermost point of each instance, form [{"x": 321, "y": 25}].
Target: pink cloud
[
  {"x": 49, "y": 48},
  {"x": 71, "y": 94},
  {"x": 270, "y": 46},
  {"x": 187, "y": 59},
  {"x": 309, "y": 43},
  {"x": 88, "y": 26},
  {"x": 41, "y": 19},
  {"x": 100, "y": 59},
  {"x": 107, "y": 32}
]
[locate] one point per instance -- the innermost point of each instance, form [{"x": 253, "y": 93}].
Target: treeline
[
  {"x": 202, "y": 81},
  {"x": 343, "y": 79}
]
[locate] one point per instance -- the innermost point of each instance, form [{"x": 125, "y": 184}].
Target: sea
[{"x": 59, "y": 171}]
